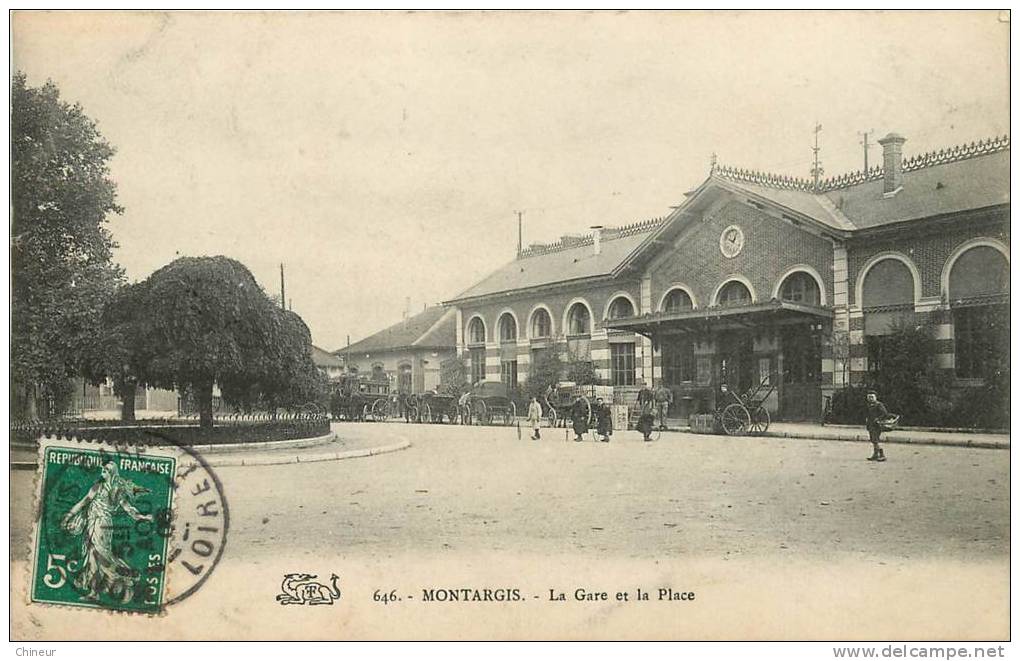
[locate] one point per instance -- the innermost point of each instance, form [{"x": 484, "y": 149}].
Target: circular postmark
[
  {"x": 731, "y": 241},
  {"x": 200, "y": 526},
  {"x": 126, "y": 528}
]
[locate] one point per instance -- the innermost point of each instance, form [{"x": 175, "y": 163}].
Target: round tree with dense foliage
[
  {"x": 61, "y": 267},
  {"x": 210, "y": 323}
]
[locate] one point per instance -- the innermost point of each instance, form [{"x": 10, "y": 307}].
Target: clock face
[{"x": 731, "y": 242}]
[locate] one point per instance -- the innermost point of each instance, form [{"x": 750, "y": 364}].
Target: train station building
[{"x": 758, "y": 276}]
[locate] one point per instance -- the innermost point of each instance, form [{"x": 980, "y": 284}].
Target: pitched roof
[
  {"x": 936, "y": 183},
  {"x": 566, "y": 260},
  {"x": 950, "y": 180},
  {"x": 323, "y": 358},
  {"x": 931, "y": 191},
  {"x": 435, "y": 327}
]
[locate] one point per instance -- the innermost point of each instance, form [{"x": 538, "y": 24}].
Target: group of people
[
  {"x": 651, "y": 404},
  {"x": 656, "y": 403},
  {"x": 579, "y": 419}
]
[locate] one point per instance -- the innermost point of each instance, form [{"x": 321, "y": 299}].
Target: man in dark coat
[
  {"x": 646, "y": 417},
  {"x": 646, "y": 421},
  {"x": 876, "y": 413},
  {"x": 579, "y": 419},
  {"x": 604, "y": 418}
]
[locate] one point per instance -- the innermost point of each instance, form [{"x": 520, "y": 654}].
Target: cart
[
  {"x": 357, "y": 398},
  {"x": 489, "y": 402},
  {"x": 738, "y": 414},
  {"x": 432, "y": 407},
  {"x": 558, "y": 404}
]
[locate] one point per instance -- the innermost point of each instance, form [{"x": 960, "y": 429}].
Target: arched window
[
  {"x": 677, "y": 301},
  {"x": 888, "y": 283},
  {"x": 887, "y": 298},
  {"x": 507, "y": 328},
  {"x": 404, "y": 379},
  {"x": 621, "y": 308},
  {"x": 541, "y": 324},
  {"x": 476, "y": 331},
  {"x": 578, "y": 320},
  {"x": 733, "y": 294},
  {"x": 800, "y": 287},
  {"x": 978, "y": 281},
  {"x": 980, "y": 272}
]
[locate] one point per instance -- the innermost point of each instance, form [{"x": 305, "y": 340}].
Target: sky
[{"x": 381, "y": 157}]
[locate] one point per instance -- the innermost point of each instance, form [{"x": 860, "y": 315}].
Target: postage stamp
[{"x": 103, "y": 525}]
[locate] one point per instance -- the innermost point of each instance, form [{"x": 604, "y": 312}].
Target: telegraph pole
[
  {"x": 283, "y": 289},
  {"x": 816, "y": 171}
]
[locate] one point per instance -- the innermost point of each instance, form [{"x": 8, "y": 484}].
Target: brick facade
[
  {"x": 771, "y": 247},
  {"x": 556, "y": 301}
]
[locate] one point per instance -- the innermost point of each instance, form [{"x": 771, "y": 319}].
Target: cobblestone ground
[{"x": 462, "y": 492}]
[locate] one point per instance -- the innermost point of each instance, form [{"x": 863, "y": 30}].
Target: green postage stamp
[{"x": 104, "y": 519}]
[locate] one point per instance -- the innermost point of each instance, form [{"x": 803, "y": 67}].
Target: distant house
[
  {"x": 327, "y": 363},
  {"x": 408, "y": 353}
]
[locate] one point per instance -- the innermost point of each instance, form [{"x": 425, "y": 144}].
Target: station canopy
[{"x": 706, "y": 320}]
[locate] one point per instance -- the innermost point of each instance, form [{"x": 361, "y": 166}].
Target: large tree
[
  {"x": 283, "y": 374},
  {"x": 208, "y": 322},
  {"x": 122, "y": 349},
  {"x": 61, "y": 252}
]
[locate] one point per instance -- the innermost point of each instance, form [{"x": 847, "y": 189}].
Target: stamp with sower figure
[
  {"x": 124, "y": 529},
  {"x": 103, "y": 527}
]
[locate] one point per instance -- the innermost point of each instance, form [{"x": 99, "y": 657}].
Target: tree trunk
[
  {"x": 128, "y": 388},
  {"x": 203, "y": 395}
]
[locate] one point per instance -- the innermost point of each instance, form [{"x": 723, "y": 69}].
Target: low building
[
  {"x": 757, "y": 277},
  {"x": 409, "y": 353},
  {"x": 329, "y": 364}
]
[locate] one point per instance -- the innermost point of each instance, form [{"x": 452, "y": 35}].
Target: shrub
[{"x": 546, "y": 371}]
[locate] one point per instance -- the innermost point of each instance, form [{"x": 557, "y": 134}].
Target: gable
[{"x": 770, "y": 247}]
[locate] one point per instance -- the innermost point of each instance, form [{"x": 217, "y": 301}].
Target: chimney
[
  {"x": 596, "y": 233},
  {"x": 407, "y": 307},
  {"x": 892, "y": 162}
]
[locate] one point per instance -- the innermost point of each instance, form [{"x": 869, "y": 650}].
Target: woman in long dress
[{"x": 92, "y": 517}]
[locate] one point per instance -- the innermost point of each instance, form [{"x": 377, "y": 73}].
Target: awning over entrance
[{"x": 719, "y": 318}]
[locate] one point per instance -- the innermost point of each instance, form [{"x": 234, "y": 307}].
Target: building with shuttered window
[{"x": 759, "y": 276}]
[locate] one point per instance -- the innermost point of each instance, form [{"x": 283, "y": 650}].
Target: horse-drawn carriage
[
  {"x": 567, "y": 400},
  {"x": 488, "y": 403},
  {"x": 745, "y": 413},
  {"x": 431, "y": 407},
  {"x": 355, "y": 397}
]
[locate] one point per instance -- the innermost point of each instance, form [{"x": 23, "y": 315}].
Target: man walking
[
  {"x": 876, "y": 413},
  {"x": 604, "y": 420},
  {"x": 535, "y": 418},
  {"x": 663, "y": 400}
]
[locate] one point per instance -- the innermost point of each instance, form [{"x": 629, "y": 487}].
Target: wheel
[
  {"x": 510, "y": 414},
  {"x": 590, "y": 412},
  {"x": 735, "y": 419},
  {"x": 365, "y": 411},
  {"x": 760, "y": 420},
  {"x": 553, "y": 418},
  {"x": 380, "y": 410},
  {"x": 480, "y": 412},
  {"x": 425, "y": 411}
]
